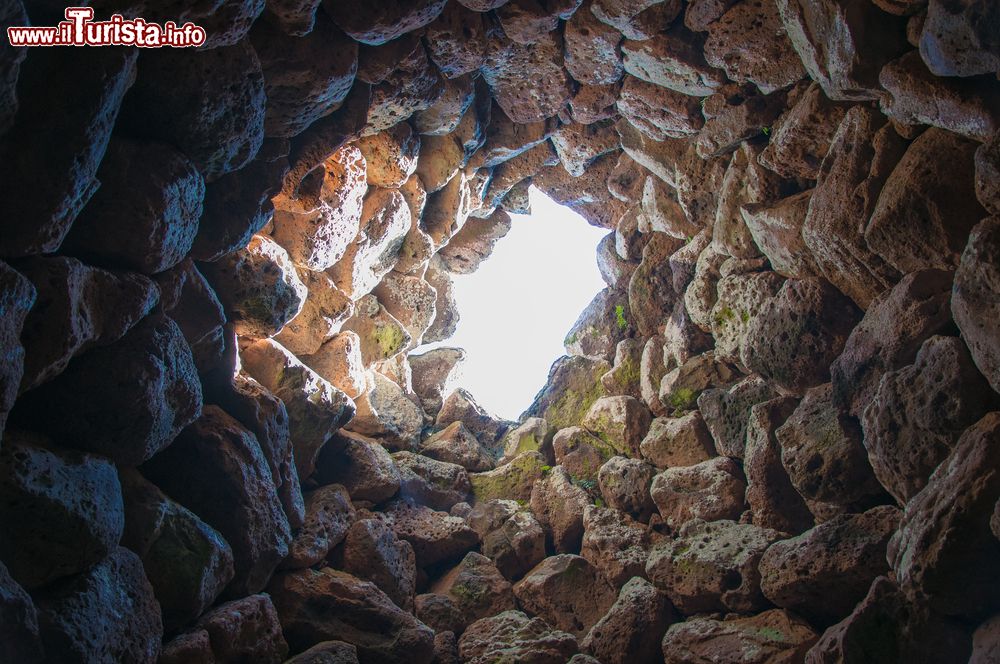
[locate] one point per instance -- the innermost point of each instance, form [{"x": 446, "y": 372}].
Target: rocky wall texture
[{"x": 775, "y": 436}]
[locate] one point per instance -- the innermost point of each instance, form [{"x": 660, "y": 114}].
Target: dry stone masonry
[{"x": 775, "y": 435}]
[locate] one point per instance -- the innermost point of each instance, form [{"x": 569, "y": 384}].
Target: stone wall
[{"x": 775, "y": 436}]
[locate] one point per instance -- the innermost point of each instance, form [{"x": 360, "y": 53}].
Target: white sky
[{"x": 518, "y": 306}]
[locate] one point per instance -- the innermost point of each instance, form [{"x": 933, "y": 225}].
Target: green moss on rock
[{"x": 512, "y": 481}]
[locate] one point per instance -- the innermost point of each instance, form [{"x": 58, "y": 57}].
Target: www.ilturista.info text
[{"x": 80, "y": 29}]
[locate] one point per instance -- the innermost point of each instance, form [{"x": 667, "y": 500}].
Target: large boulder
[
  {"x": 657, "y": 112},
  {"x": 742, "y": 298},
  {"x": 127, "y": 400},
  {"x": 474, "y": 242},
  {"x": 532, "y": 435},
  {"x": 213, "y": 110},
  {"x": 381, "y": 336},
  {"x": 340, "y": 363},
  {"x": 567, "y": 592},
  {"x": 987, "y": 168},
  {"x": 651, "y": 371},
  {"x": 186, "y": 561},
  {"x": 887, "y": 627},
  {"x": 749, "y": 42},
  {"x": 651, "y": 295},
  {"x": 316, "y": 409},
  {"x": 633, "y": 627},
  {"x": 514, "y": 480},
  {"x": 941, "y": 549},
  {"x": 381, "y": 22},
  {"x": 387, "y": 412},
  {"x": 317, "y": 226},
  {"x": 746, "y": 183},
  {"x": 432, "y": 371},
  {"x": 974, "y": 302},
  {"x": 306, "y": 77},
  {"x": 725, "y": 412},
  {"x": 238, "y": 205},
  {"x": 582, "y": 454},
  {"x": 621, "y": 422},
  {"x": 447, "y": 316},
  {"x": 824, "y": 572},
  {"x": 514, "y": 635},
  {"x": 362, "y": 465},
  {"x": 673, "y": 60},
  {"x": 326, "y": 310},
  {"x": 511, "y": 536},
  {"x": 372, "y": 552},
  {"x": 62, "y": 510},
  {"x": 436, "y": 484},
  {"x": 241, "y": 629},
  {"x": 374, "y": 251},
  {"x": 905, "y": 441},
  {"x": 709, "y": 490},
  {"x": 797, "y": 335},
  {"x": 190, "y": 302},
  {"x": 107, "y": 613},
  {"x": 636, "y": 19},
  {"x": 17, "y": 296},
  {"x": 409, "y": 83},
  {"x": 435, "y": 537},
  {"x": 733, "y": 121},
  {"x": 895, "y": 325},
  {"x": 409, "y": 299},
  {"x": 801, "y": 138},
  {"x": 861, "y": 155},
  {"x": 680, "y": 388},
  {"x": 19, "y": 634},
  {"x": 559, "y": 504},
  {"x": 700, "y": 293},
  {"x": 456, "y": 444},
  {"x": 822, "y": 450},
  {"x": 456, "y": 41},
  {"x": 843, "y": 45},
  {"x": 390, "y": 156},
  {"x": 712, "y": 566},
  {"x": 265, "y": 415},
  {"x": 258, "y": 286},
  {"x": 616, "y": 544},
  {"x": 956, "y": 39},
  {"x": 328, "y": 516},
  {"x": 625, "y": 483},
  {"x": 592, "y": 56},
  {"x": 461, "y": 406},
  {"x": 62, "y": 171},
  {"x": 573, "y": 385},
  {"x": 771, "y": 498},
  {"x": 677, "y": 441},
  {"x": 324, "y": 605},
  {"x": 528, "y": 81},
  {"x": 776, "y": 229},
  {"x": 216, "y": 469},
  {"x": 908, "y": 228},
  {"x": 598, "y": 330},
  {"x": 580, "y": 145},
  {"x": 476, "y": 588},
  {"x": 771, "y": 636},
  {"x": 917, "y": 96},
  {"x": 141, "y": 218}
]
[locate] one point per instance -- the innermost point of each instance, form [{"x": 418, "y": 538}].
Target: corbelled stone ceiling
[{"x": 775, "y": 436}]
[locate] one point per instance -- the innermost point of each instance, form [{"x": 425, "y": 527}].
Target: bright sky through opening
[{"x": 517, "y": 308}]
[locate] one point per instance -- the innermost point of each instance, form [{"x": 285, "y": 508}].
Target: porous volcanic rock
[{"x": 567, "y": 591}]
